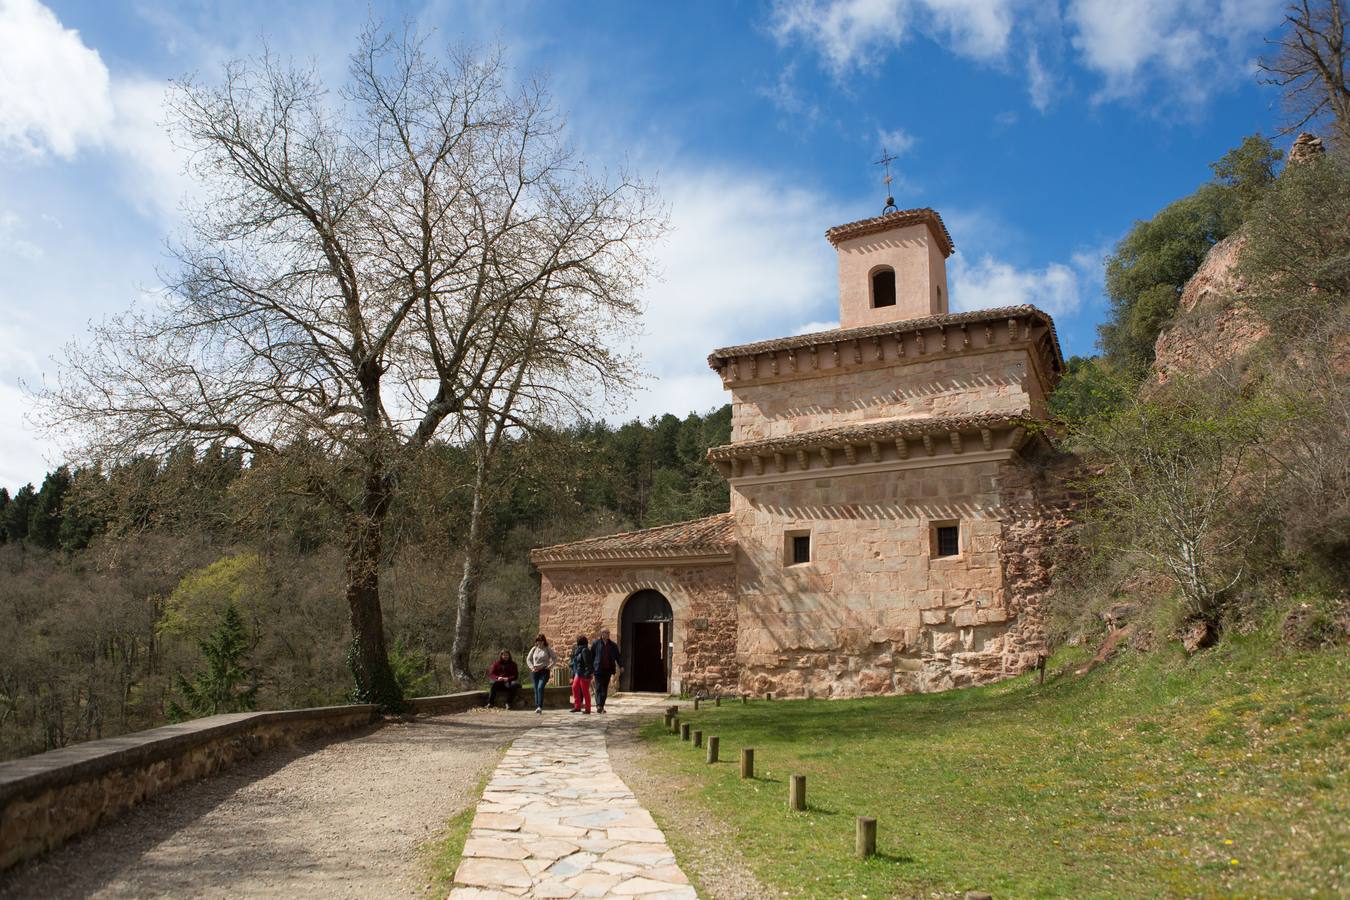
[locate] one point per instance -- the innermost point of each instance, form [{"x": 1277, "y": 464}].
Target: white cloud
[
  {"x": 1039, "y": 82},
  {"x": 813, "y": 327},
  {"x": 12, "y": 229},
  {"x": 54, "y": 90},
  {"x": 23, "y": 455},
  {"x": 897, "y": 140},
  {"x": 746, "y": 261},
  {"x": 154, "y": 169},
  {"x": 854, "y": 34},
  {"x": 988, "y": 282},
  {"x": 1194, "y": 46}
]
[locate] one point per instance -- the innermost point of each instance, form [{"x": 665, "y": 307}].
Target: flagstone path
[{"x": 556, "y": 821}]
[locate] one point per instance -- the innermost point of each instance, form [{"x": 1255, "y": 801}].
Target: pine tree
[
  {"x": 17, "y": 513},
  {"x": 221, "y": 687},
  {"x": 44, "y": 521},
  {"x": 4, "y": 506}
]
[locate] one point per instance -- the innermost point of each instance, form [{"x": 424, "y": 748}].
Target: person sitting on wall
[
  {"x": 583, "y": 667},
  {"x": 541, "y": 659},
  {"x": 607, "y": 661},
  {"x": 503, "y": 676}
]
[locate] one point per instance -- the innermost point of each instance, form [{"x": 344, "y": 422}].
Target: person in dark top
[
  {"x": 503, "y": 676},
  {"x": 583, "y": 667},
  {"x": 608, "y": 661}
]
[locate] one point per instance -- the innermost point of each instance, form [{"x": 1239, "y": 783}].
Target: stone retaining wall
[
  {"x": 51, "y": 797},
  {"x": 556, "y": 696}
]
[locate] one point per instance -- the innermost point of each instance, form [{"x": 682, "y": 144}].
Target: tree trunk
[
  {"x": 468, "y": 583},
  {"x": 367, "y": 656}
]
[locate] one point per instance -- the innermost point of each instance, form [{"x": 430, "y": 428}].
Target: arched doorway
[{"x": 646, "y": 626}]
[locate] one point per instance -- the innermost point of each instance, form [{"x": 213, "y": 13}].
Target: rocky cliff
[{"x": 1211, "y": 326}]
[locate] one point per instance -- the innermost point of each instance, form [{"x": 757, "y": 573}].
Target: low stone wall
[
  {"x": 446, "y": 704},
  {"x": 49, "y": 798}
]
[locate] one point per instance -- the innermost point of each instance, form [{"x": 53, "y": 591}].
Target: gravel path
[{"x": 342, "y": 819}]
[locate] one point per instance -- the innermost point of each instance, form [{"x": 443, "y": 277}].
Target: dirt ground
[
  {"x": 705, "y": 847},
  {"x": 341, "y": 819}
]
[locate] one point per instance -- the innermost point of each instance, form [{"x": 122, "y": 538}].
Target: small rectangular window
[
  {"x": 948, "y": 540},
  {"x": 801, "y": 548}
]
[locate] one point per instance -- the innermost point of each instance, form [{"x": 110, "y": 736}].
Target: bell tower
[{"x": 892, "y": 267}]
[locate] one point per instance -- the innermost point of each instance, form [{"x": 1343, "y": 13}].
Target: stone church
[{"x": 890, "y": 512}]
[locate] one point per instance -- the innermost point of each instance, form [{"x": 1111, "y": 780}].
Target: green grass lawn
[{"x": 1218, "y": 776}]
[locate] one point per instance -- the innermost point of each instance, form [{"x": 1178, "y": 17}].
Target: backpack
[{"x": 583, "y": 662}]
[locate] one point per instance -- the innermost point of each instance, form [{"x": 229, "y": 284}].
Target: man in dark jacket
[{"x": 607, "y": 662}]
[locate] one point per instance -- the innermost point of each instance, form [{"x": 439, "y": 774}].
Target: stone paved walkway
[{"x": 555, "y": 821}]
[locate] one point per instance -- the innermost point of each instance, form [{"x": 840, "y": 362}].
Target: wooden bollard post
[
  {"x": 684, "y": 731},
  {"x": 698, "y": 739},
  {"x": 797, "y": 793},
  {"x": 695, "y": 703},
  {"x": 747, "y": 762},
  {"x": 674, "y": 724},
  {"x": 1040, "y": 669},
  {"x": 668, "y": 717},
  {"x": 712, "y": 748},
  {"x": 865, "y": 844},
  {"x": 744, "y": 700},
  {"x": 717, "y": 701}
]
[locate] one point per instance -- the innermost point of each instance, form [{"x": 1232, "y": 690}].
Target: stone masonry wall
[
  {"x": 580, "y": 599},
  {"x": 48, "y": 798},
  {"x": 1038, "y": 500},
  {"x": 960, "y": 384},
  {"x": 875, "y": 611}
]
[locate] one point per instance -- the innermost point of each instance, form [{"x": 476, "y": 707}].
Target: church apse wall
[{"x": 876, "y": 608}]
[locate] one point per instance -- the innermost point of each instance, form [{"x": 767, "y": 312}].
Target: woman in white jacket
[{"x": 541, "y": 659}]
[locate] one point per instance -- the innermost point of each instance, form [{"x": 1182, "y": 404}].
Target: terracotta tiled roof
[
  {"x": 865, "y": 432},
  {"x": 924, "y": 216},
  {"x": 816, "y": 338},
  {"x": 699, "y": 537}
]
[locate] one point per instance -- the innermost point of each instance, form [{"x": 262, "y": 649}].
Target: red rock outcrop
[{"x": 1211, "y": 326}]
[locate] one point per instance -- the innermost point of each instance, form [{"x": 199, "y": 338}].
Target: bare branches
[
  {"x": 416, "y": 256},
  {"x": 1310, "y": 65}
]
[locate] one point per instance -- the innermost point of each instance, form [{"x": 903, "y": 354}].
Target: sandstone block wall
[
  {"x": 580, "y": 599},
  {"x": 875, "y": 611},
  {"x": 936, "y": 384},
  {"x": 920, "y": 276}
]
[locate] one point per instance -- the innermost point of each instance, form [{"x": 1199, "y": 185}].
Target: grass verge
[
  {"x": 441, "y": 855},
  {"x": 1156, "y": 775}
]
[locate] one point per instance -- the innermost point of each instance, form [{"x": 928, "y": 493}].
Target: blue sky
[{"x": 1040, "y": 130}]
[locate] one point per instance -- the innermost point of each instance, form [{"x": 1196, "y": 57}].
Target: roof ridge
[
  {"x": 886, "y": 221},
  {"x": 882, "y": 328},
  {"x": 637, "y": 531},
  {"x": 900, "y": 423}
]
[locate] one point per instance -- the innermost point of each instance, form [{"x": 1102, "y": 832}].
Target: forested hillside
[{"x": 118, "y": 584}]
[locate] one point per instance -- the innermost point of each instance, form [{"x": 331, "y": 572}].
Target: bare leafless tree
[
  {"x": 1310, "y": 65},
  {"x": 360, "y": 282},
  {"x": 558, "y": 359}
]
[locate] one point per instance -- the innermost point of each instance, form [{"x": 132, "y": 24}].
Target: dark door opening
[
  {"x": 646, "y": 630},
  {"x": 649, "y": 662}
]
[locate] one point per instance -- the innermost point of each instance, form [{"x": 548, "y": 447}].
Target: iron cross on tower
[{"x": 886, "y": 159}]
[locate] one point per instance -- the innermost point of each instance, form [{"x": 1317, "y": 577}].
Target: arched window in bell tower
[{"x": 883, "y": 287}]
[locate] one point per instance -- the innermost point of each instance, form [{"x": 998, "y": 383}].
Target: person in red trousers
[{"x": 583, "y": 667}]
